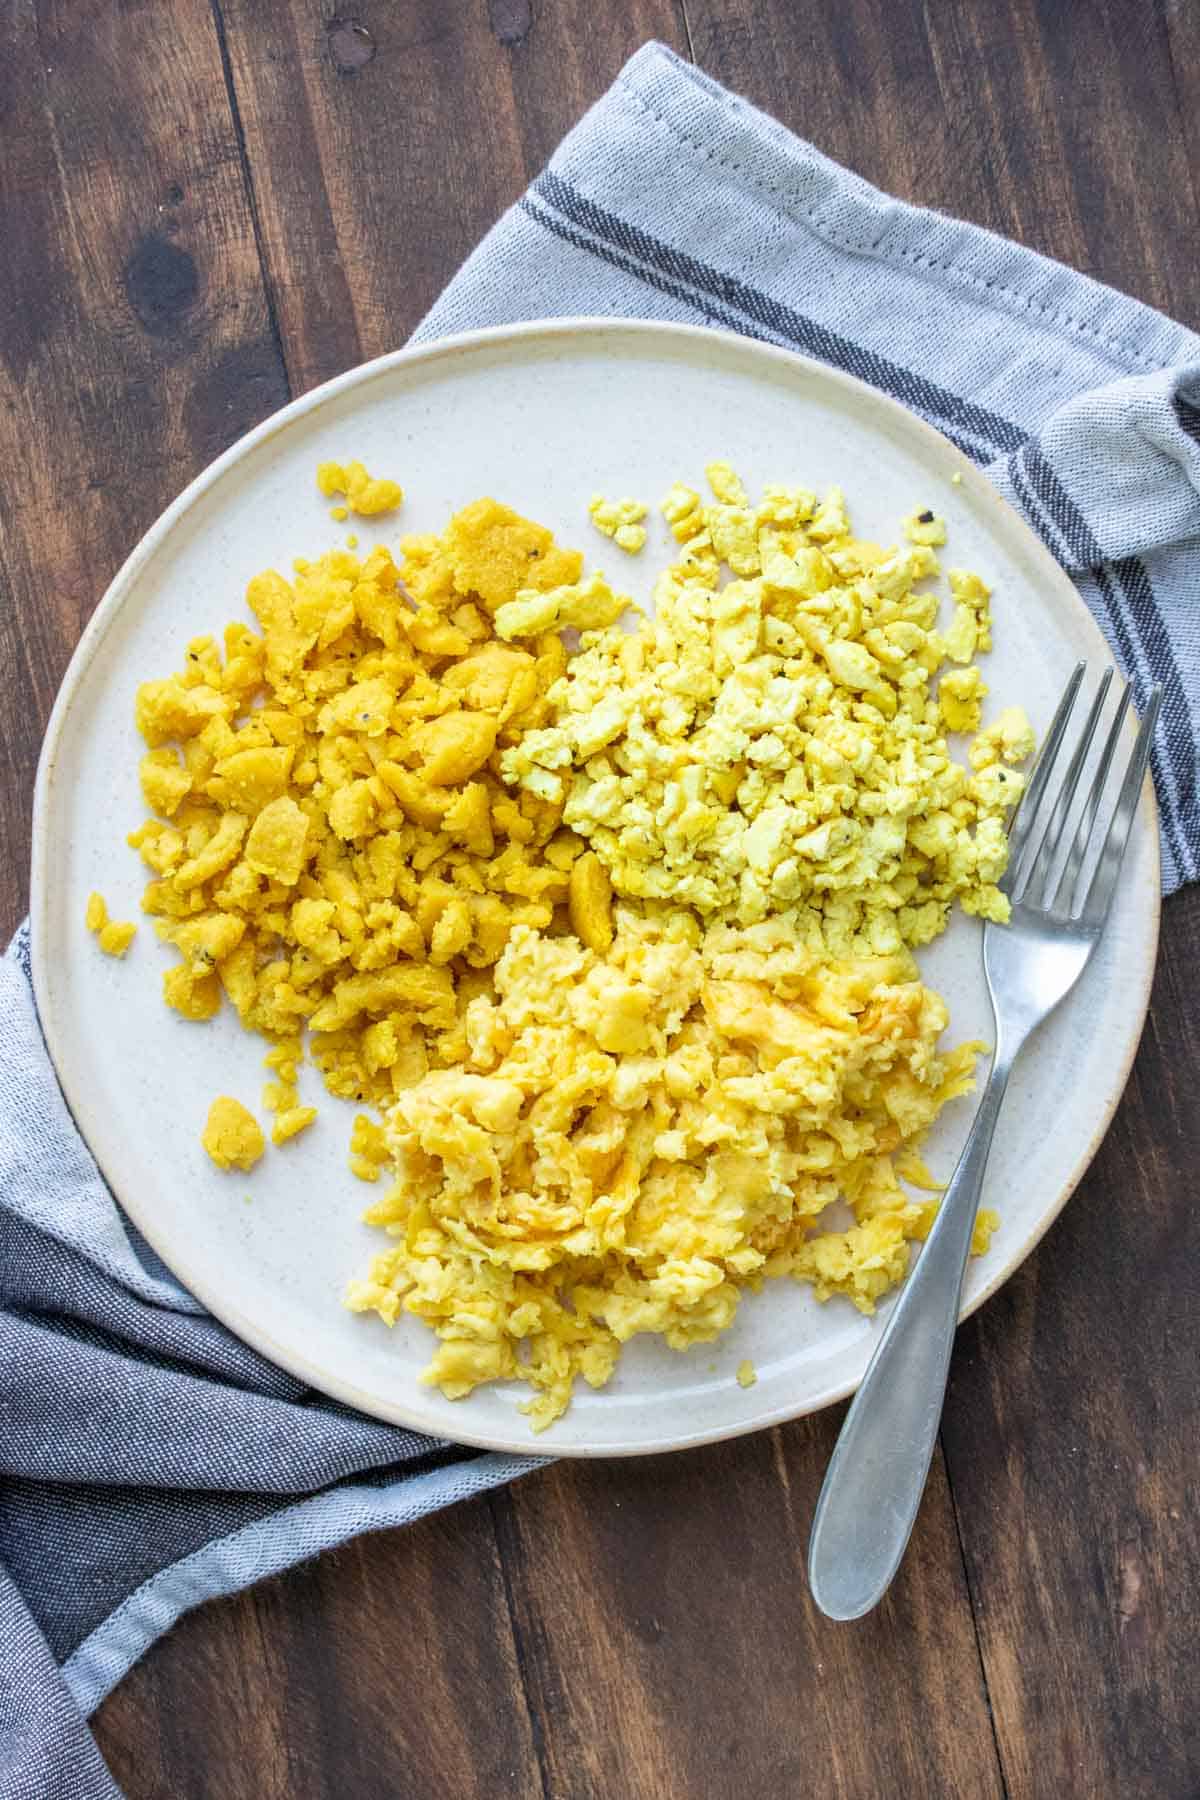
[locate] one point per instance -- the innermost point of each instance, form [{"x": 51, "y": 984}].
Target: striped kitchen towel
[
  {"x": 672, "y": 199},
  {"x": 149, "y": 1461}
]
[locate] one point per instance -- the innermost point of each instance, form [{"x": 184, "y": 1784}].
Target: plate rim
[{"x": 118, "y": 590}]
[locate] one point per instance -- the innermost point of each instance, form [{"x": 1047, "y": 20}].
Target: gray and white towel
[{"x": 148, "y": 1460}]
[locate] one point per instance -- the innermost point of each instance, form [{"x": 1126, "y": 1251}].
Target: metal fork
[{"x": 877, "y": 1473}]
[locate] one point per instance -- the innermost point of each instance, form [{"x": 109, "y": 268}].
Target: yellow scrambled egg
[
  {"x": 636, "y": 1136},
  {"x": 776, "y": 742},
  {"x": 387, "y": 825}
]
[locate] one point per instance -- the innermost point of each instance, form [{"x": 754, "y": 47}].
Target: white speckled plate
[{"x": 541, "y": 416}]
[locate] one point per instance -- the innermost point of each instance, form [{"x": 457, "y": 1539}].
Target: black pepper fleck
[{"x": 925, "y": 518}]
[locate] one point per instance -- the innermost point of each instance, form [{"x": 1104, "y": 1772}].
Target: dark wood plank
[
  {"x": 572, "y": 56},
  {"x": 1054, "y": 121},
  {"x": 386, "y": 1668},
  {"x": 1181, "y": 21},
  {"x": 671, "y": 1648},
  {"x": 135, "y": 339},
  {"x": 1082, "y": 114},
  {"x": 1071, "y": 1431},
  {"x": 384, "y": 144}
]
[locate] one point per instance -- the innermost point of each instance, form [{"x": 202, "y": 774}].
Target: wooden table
[{"x": 207, "y": 208}]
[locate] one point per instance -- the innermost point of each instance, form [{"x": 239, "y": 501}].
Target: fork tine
[
  {"x": 1083, "y": 836},
  {"x": 1053, "y": 837},
  {"x": 1041, "y": 861},
  {"x": 1103, "y": 883},
  {"x": 1031, "y": 799}
]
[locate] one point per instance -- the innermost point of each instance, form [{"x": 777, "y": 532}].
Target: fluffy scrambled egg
[
  {"x": 776, "y": 743},
  {"x": 636, "y": 1136},
  {"x": 387, "y": 826}
]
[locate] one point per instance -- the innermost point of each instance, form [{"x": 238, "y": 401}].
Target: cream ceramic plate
[{"x": 541, "y": 416}]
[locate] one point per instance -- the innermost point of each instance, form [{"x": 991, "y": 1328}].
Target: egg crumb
[
  {"x": 620, "y": 520},
  {"x": 746, "y": 1374},
  {"x": 290, "y": 1121},
  {"x": 364, "y": 494},
  {"x": 232, "y": 1136},
  {"x": 114, "y": 936},
  {"x": 925, "y": 527}
]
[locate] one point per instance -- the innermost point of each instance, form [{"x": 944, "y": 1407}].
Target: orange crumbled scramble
[{"x": 332, "y": 849}]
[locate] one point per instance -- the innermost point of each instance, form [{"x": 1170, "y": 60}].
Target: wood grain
[
  {"x": 670, "y": 1648},
  {"x": 1181, "y": 20},
  {"x": 382, "y": 149},
  {"x": 385, "y": 1668},
  {"x": 135, "y": 339},
  {"x": 206, "y": 208},
  {"x": 1054, "y": 121},
  {"x": 1070, "y": 1434}
]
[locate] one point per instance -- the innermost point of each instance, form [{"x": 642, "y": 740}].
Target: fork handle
[{"x": 877, "y": 1473}]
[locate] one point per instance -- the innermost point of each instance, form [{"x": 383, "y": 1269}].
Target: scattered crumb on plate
[
  {"x": 620, "y": 520},
  {"x": 232, "y": 1136},
  {"x": 114, "y": 936},
  {"x": 364, "y": 494}
]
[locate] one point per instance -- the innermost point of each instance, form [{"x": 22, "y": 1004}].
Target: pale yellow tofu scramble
[{"x": 613, "y": 943}]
